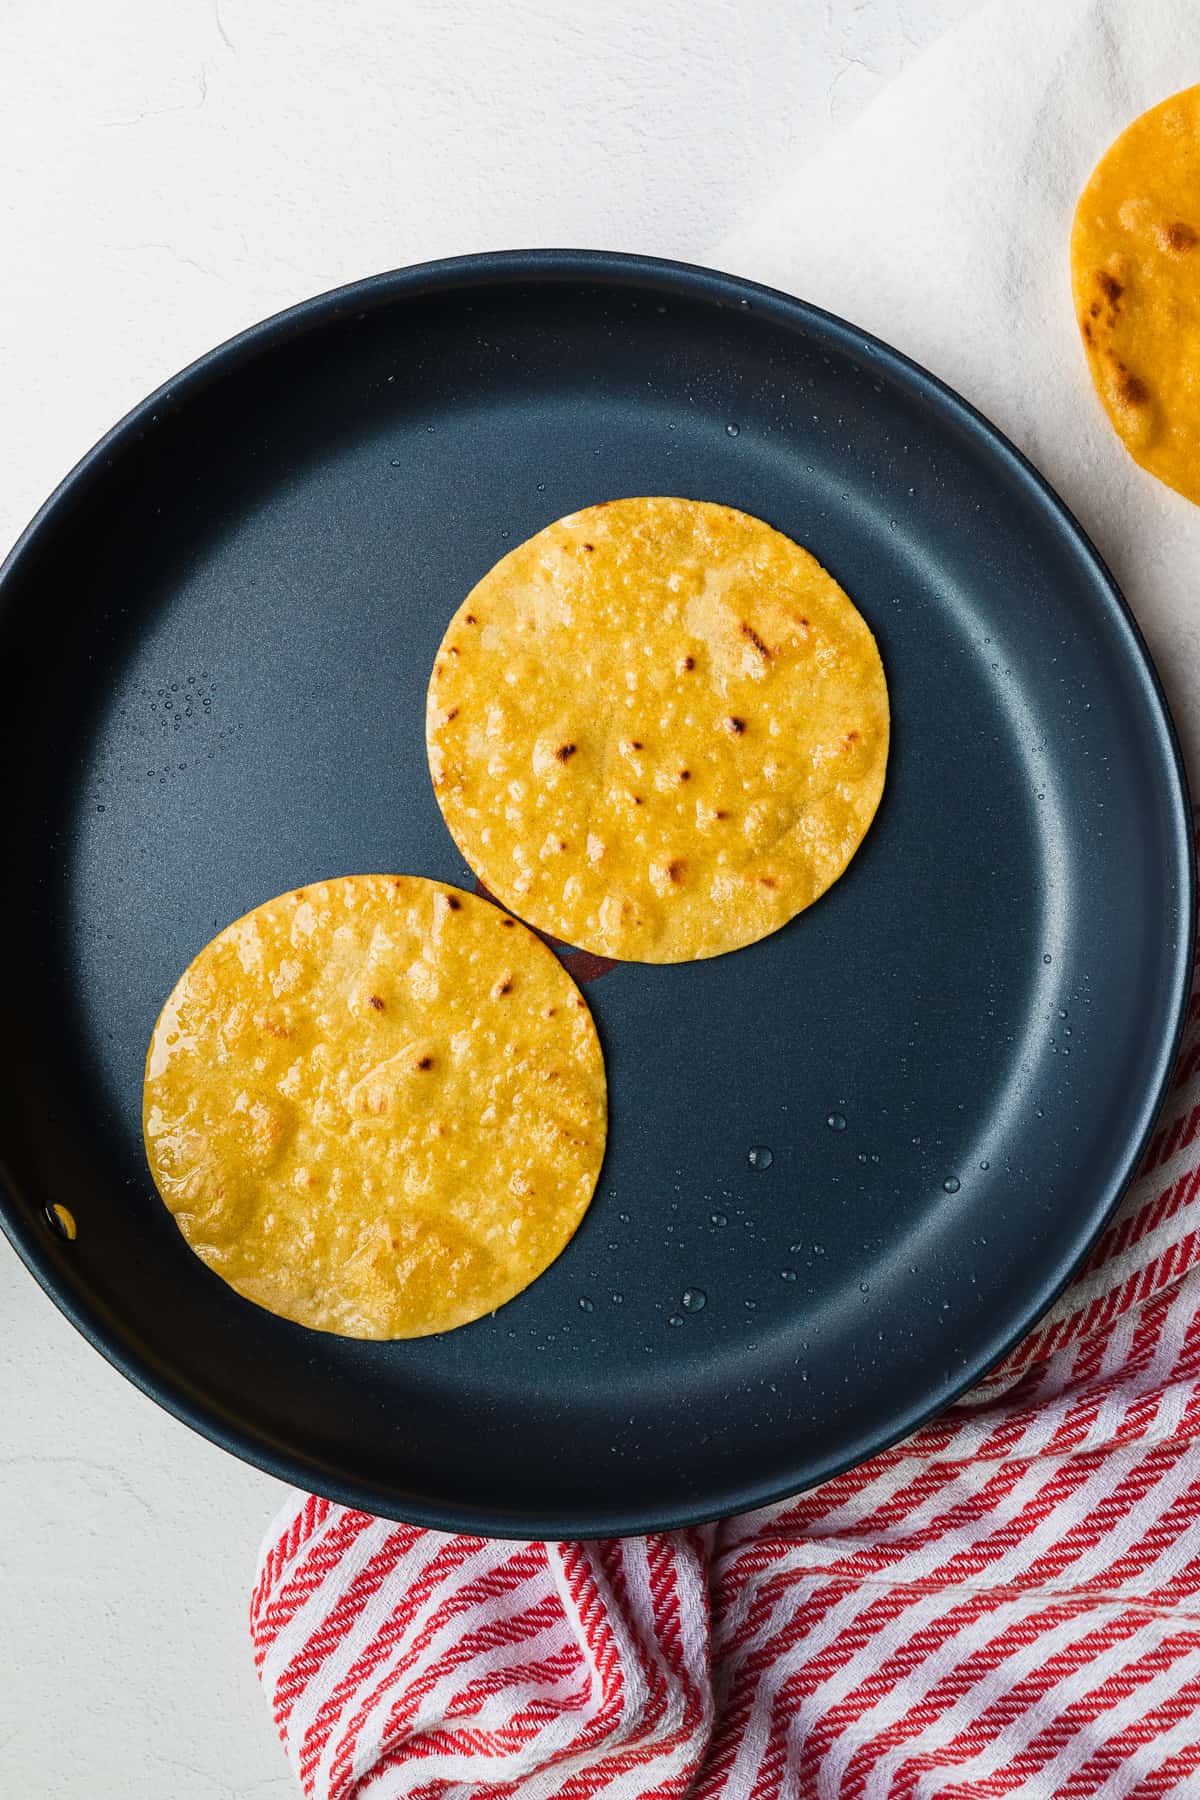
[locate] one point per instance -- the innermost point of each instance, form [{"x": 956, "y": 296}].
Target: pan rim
[{"x": 684, "y": 280}]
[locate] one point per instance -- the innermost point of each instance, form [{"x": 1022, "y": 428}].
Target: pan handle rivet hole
[{"x": 61, "y": 1221}]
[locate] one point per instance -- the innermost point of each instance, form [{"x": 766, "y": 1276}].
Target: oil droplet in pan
[{"x": 61, "y": 1220}]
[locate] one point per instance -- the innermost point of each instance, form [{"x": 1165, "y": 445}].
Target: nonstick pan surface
[{"x": 869, "y": 1149}]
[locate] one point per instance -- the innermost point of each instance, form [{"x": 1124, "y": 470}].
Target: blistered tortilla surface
[
  {"x": 658, "y": 729},
  {"x": 1135, "y": 275},
  {"x": 376, "y": 1106}
]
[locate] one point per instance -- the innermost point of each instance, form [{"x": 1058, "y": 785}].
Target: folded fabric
[{"x": 1005, "y": 1604}]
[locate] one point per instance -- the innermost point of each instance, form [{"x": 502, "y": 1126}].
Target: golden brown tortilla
[
  {"x": 1135, "y": 273},
  {"x": 658, "y": 729},
  {"x": 376, "y": 1106}
]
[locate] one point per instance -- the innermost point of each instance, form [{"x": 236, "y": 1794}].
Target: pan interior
[{"x": 847, "y": 1164}]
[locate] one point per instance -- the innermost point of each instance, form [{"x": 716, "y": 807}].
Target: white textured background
[{"x": 171, "y": 170}]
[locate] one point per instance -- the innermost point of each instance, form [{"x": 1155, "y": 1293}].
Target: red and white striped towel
[{"x": 1007, "y": 1604}]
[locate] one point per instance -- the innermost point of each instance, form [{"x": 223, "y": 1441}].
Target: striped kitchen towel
[{"x": 1006, "y": 1604}]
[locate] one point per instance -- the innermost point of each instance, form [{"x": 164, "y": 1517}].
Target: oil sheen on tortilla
[
  {"x": 1135, "y": 273},
  {"x": 658, "y": 729},
  {"x": 376, "y": 1106}
]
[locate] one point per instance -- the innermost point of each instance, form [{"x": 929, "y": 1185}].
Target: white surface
[
  {"x": 172, "y": 172},
  {"x": 940, "y": 220}
]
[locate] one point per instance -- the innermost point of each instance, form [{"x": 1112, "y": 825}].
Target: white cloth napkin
[{"x": 940, "y": 221}]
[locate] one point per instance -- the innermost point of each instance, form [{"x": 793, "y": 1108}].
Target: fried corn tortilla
[
  {"x": 658, "y": 729},
  {"x": 1135, "y": 273},
  {"x": 376, "y": 1106}
]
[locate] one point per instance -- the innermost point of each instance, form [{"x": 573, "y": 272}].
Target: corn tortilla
[
  {"x": 376, "y": 1106},
  {"x": 658, "y": 729},
  {"x": 1135, "y": 275}
]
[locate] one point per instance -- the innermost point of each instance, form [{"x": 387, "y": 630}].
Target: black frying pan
[{"x": 214, "y": 647}]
